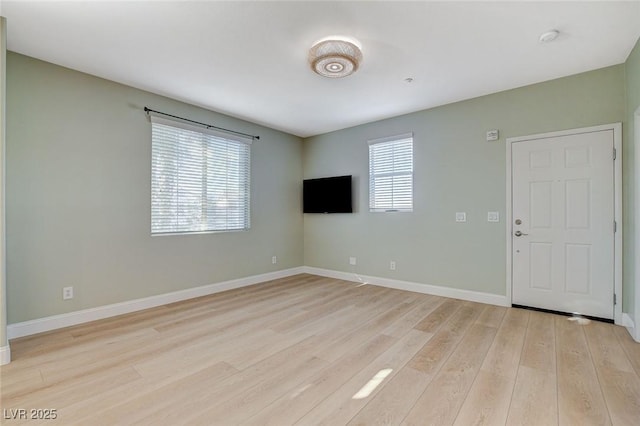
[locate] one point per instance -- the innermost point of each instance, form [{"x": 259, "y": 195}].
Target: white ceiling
[{"x": 249, "y": 58}]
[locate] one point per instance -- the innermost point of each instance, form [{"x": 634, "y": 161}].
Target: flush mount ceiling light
[
  {"x": 549, "y": 36},
  {"x": 335, "y": 56}
]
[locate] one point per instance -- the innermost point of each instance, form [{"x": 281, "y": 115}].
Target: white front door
[{"x": 563, "y": 223}]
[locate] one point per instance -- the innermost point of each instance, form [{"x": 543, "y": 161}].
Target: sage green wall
[
  {"x": 632, "y": 90},
  {"x": 455, "y": 170},
  {"x": 78, "y": 197}
]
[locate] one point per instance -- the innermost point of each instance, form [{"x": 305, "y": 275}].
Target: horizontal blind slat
[
  {"x": 391, "y": 175},
  {"x": 200, "y": 182}
]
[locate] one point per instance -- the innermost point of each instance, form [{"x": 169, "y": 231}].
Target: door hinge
[
  {"x": 615, "y": 226},
  {"x": 615, "y": 154},
  {"x": 615, "y": 299}
]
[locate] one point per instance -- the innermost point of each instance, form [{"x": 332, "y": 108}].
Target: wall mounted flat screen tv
[{"x": 327, "y": 195}]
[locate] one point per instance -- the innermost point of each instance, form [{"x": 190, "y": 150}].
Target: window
[
  {"x": 391, "y": 174},
  {"x": 199, "y": 179}
]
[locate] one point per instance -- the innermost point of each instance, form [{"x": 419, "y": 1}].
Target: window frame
[
  {"x": 372, "y": 198},
  {"x": 204, "y": 132}
]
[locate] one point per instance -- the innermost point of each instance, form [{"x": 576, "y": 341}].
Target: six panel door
[{"x": 563, "y": 223}]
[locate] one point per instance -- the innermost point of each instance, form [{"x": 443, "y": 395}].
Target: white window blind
[
  {"x": 199, "y": 179},
  {"x": 391, "y": 174}
]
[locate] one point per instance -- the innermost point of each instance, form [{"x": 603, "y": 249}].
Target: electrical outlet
[
  {"x": 461, "y": 217},
  {"x": 493, "y": 216},
  {"x": 392, "y": 265},
  {"x": 67, "y": 293},
  {"x": 274, "y": 259},
  {"x": 352, "y": 261}
]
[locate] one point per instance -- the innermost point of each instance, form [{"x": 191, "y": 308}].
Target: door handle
[{"x": 519, "y": 234}]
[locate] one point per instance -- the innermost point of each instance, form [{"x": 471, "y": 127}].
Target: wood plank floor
[{"x": 307, "y": 350}]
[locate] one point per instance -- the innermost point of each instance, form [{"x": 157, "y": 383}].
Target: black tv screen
[{"x": 327, "y": 195}]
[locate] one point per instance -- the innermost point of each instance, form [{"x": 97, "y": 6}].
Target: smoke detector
[{"x": 549, "y": 36}]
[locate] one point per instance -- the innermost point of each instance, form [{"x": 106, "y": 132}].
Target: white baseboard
[
  {"x": 5, "y": 355},
  {"x": 631, "y": 327},
  {"x": 54, "y": 322},
  {"x": 455, "y": 293}
]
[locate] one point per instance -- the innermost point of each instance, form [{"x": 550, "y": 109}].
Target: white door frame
[
  {"x": 636, "y": 328},
  {"x": 617, "y": 167}
]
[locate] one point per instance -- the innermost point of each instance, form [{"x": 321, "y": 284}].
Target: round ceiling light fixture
[{"x": 335, "y": 56}]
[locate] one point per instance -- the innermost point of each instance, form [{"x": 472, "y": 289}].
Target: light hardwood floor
[{"x": 307, "y": 350}]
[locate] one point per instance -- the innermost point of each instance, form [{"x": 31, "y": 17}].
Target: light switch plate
[
  {"x": 493, "y": 216},
  {"x": 461, "y": 217}
]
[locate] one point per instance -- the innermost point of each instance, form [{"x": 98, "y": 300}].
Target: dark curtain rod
[{"x": 208, "y": 126}]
